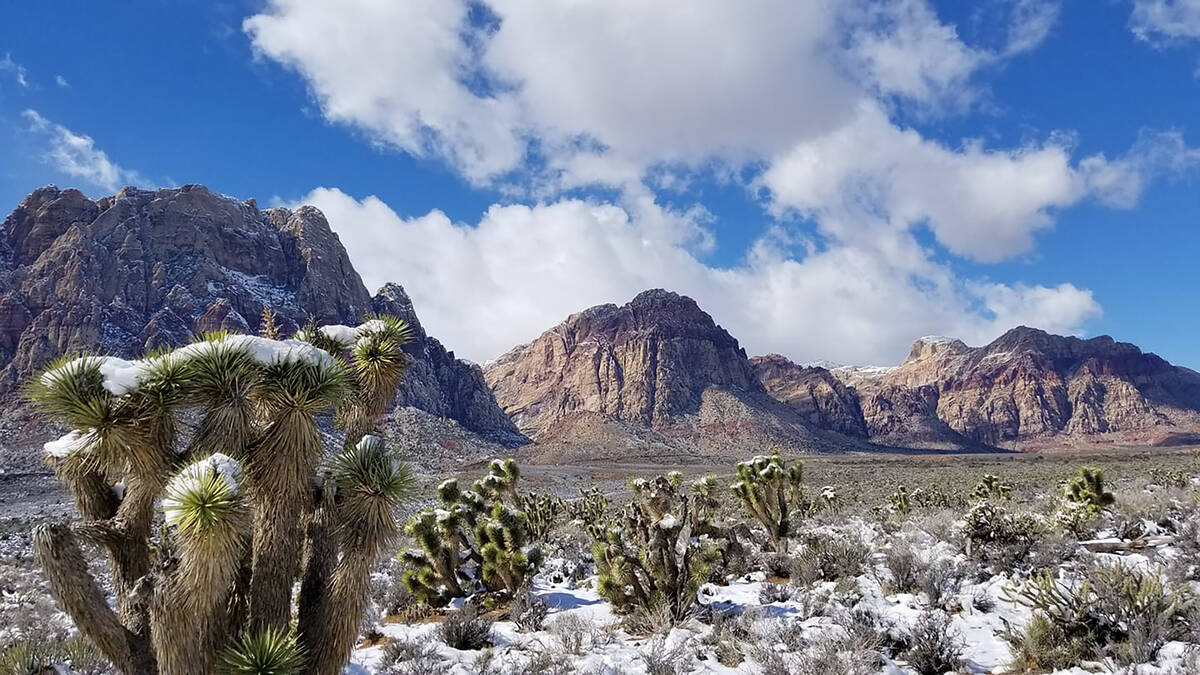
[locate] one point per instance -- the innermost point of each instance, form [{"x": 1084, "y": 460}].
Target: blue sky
[{"x": 828, "y": 183}]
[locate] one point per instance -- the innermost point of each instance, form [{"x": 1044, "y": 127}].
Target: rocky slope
[
  {"x": 603, "y": 376},
  {"x": 1026, "y": 389},
  {"x": 142, "y": 269}
]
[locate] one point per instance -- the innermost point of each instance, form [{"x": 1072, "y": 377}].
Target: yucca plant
[
  {"x": 249, "y": 506},
  {"x": 270, "y": 651},
  {"x": 484, "y": 528},
  {"x": 773, "y": 493},
  {"x": 1088, "y": 489},
  {"x": 991, "y": 487},
  {"x": 650, "y": 558}
]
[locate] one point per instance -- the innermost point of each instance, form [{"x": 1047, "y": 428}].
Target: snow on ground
[{"x": 979, "y": 631}]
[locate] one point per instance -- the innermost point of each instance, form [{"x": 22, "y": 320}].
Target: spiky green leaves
[
  {"x": 772, "y": 492},
  {"x": 990, "y": 487},
  {"x": 71, "y": 391},
  {"x": 1088, "y": 489},
  {"x": 270, "y": 651},
  {"x": 205, "y": 497},
  {"x": 372, "y": 481}
]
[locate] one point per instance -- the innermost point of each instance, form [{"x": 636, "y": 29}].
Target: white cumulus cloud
[
  {"x": 484, "y": 287},
  {"x": 1166, "y": 20},
  {"x": 76, "y": 155}
]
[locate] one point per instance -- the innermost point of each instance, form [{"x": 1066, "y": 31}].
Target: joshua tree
[
  {"x": 772, "y": 493},
  {"x": 244, "y": 510},
  {"x": 900, "y": 501},
  {"x": 650, "y": 556},
  {"x": 1088, "y": 489},
  {"x": 990, "y": 487},
  {"x": 483, "y": 527}
]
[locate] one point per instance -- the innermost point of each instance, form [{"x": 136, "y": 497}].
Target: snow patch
[{"x": 74, "y": 441}]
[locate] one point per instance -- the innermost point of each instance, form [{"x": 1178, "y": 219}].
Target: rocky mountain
[
  {"x": 143, "y": 269},
  {"x": 605, "y": 375},
  {"x": 1027, "y": 389}
]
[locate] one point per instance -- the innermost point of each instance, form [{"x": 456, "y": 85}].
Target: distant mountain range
[{"x": 655, "y": 379}]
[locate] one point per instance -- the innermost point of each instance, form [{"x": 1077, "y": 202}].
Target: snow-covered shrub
[
  {"x": 661, "y": 658},
  {"x": 527, "y": 610},
  {"x": 903, "y": 562},
  {"x": 465, "y": 629},
  {"x": 772, "y": 493},
  {"x": 575, "y": 634},
  {"x": 935, "y": 646},
  {"x": 1110, "y": 607},
  {"x": 769, "y": 593},
  {"x": 478, "y": 539},
  {"x": 726, "y": 638},
  {"x": 410, "y": 657},
  {"x": 830, "y": 556}
]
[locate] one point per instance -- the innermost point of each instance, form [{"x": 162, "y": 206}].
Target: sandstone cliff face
[
  {"x": 442, "y": 385},
  {"x": 1026, "y": 387},
  {"x": 814, "y": 392},
  {"x": 658, "y": 362},
  {"x": 143, "y": 269}
]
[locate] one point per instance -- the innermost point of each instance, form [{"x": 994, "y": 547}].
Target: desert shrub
[
  {"x": 982, "y": 601},
  {"x": 1113, "y": 610},
  {"x": 988, "y": 523},
  {"x": 939, "y": 580},
  {"x": 902, "y": 560},
  {"x": 830, "y": 557},
  {"x": 935, "y": 646},
  {"x": 465, "y": 629},
  {"x": 726, "y": 638},
  {"x": 410, "y": 657},
  {"x": 1043, "y": 645},
  {"x": 527, "y": 610},
  {"x": 1076, "y": 518},
  {"x": 575, "y": 634},
  {"x": 661, "y": 659},
  {"x": 769, "y": 593},
  {"x": 778, "y": 565}
]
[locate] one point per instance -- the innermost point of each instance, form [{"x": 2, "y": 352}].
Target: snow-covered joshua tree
[{"x": 249, "y": 505}]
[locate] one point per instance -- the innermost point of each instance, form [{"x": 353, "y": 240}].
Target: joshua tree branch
[{"x": 76, "y": 591}]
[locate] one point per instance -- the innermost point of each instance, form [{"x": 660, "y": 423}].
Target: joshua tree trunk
[
  {"x": 281, "y": 468},
  {"x": 76, "y": 591},
  {"x": 343, "y": 608},
  {"x": 319, "y": 563}
]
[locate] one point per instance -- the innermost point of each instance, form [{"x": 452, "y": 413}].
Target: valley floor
[{"x": 862, "y": 590}]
